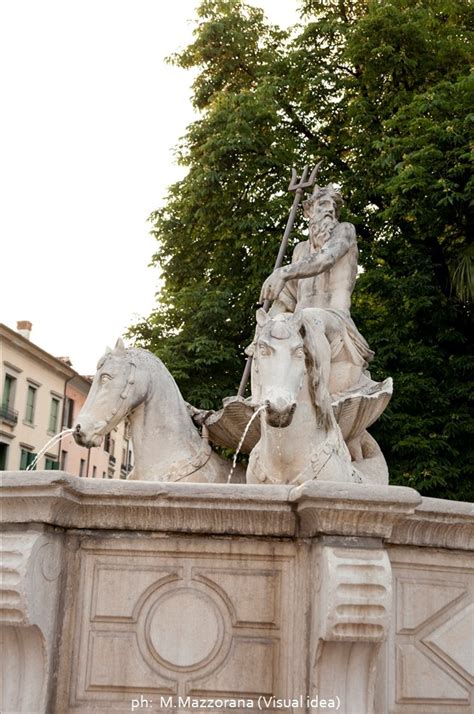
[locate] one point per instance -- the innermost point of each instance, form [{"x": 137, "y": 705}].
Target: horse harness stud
[{"x": 126, "y": 390}]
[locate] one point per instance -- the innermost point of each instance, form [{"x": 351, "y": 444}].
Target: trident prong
[{"x": 303, "y": 181}]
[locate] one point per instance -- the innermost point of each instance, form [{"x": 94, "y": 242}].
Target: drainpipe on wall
[{"x": 62, "y": 416}]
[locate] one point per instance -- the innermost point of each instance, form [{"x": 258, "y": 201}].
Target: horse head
[
  {"x": 115, "y": 391},
  {"x": 279, "y": 365},
  {"x": 286, "y": 351}
]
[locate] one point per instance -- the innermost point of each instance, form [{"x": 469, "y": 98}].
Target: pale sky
[{"x": 90, "y": 116}]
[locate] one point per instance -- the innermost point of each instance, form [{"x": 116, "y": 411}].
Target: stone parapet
[
  {"x": 347, "y": 509},
  {"x": 437, "y": 523},
  {"x": 393, "y": 513},
  {"x": 58, "y": 499},
  {"x": 118, "y": 592}
]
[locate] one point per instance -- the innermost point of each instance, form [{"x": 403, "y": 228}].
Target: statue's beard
[{"x": 321, "y": 226}]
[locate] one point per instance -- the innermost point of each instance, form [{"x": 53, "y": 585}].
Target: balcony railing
[
  {"x": 112, "y": 459},
  {"x": 10, "y": 416}
]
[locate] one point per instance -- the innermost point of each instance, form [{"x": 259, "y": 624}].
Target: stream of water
[
  {"x": 51, "y": 443},
  {"x": 234, "y": 461}
]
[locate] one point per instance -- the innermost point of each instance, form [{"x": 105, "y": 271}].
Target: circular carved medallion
[{"x": 184, "y": 629}]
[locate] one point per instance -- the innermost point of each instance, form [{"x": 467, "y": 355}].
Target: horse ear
[
  {"x": 108, "y": 350},
  {"x": 119, "y": 346},
  {"x": 262, "y": 317}
]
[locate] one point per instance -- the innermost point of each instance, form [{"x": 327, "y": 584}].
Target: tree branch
[
  {"x": 296, "y": 121},
  {"x": 287, "y": 108}
]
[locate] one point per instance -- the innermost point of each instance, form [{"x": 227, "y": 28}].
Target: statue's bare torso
[
  {"x": 330, "y": 288},
  {"x": 321, "y": 278}
]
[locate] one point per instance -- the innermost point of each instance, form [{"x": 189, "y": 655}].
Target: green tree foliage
[{"x": 381, "y": 90}]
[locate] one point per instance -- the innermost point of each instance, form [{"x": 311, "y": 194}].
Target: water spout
[
  {"x": 52, "y": 442},
  {"x": 234, "y": 461}
]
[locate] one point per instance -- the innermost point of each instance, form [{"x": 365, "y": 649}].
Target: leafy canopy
[{"x": 381, "y": 90}]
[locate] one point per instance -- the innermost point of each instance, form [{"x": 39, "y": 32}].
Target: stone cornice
[
  {"x": 439, "y": 523},
  {"x": 392, "y": 513},
  {"x": 66, "y": 501},
  {"x": 350, "y": 509}
]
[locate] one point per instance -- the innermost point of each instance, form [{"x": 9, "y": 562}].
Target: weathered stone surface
[
  {"x": 30, "y": 589},
  {"x": 429, "y": 655},
  {"x": 315, "y": 508},
  {"x": 129, "y": 590},
  {"x": 351, "y": 509},
  {"x": 62, "y": 500},
  {"x": 353, "y": 592},
  {"x": 437, "y": 522},
  {"x": 203, "y": 616}
]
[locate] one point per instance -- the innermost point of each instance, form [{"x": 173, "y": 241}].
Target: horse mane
[
  {"x": 144, "y": 355},
  {"x": 131, "y": 352},
  {"x": 317, "y": 381}
]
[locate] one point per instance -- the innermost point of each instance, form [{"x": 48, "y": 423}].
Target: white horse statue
[
  {"x": 300, "y": 438},
  {"x": 167, "y": 446}
]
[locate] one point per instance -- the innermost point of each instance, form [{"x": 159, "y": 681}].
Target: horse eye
[
  {"x": 264, "y": 349},
  {"x": 105, "y": 378},
  {"x": 299, "y": 352}
]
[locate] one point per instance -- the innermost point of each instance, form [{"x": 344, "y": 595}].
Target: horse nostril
[
  {"x": 267, "y": 403},
  {"x": 293, "y": 407},
  {"x": 78, "y": 428}
]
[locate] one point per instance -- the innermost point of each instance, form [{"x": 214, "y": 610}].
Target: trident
[{"x": 298, "y": 185}]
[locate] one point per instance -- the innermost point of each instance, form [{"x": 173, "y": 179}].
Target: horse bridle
[
  {"x": 125, "y": 392},
  {"x": 204, "y": 453}
]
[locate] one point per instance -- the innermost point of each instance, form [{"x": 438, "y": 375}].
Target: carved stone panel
[
  {"x": 352, "y": 597},
  {"x": 430, "y": 668},
  {"x": 177, "y": 617},
  {"x": 30, "y": 567}
]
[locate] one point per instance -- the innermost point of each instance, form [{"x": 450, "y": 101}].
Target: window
[
  {"x": 68, "y": 418},
  {"x": 63, "y": 460},
  {"x": 82, "y": 467},
  {"x": 103, "y": 474},
  {"x": 54, "y": 415},
  {"x": 8, "y": 398},
  {"x": 94, "y": 471},
  {"x": 7, "y": 413},
  {"x": 3, "y": 456},
  {"x": 26, "y": 458},
  {"x": 51, "y": 464},
  {"x": 111, "y": 451},
  {"x": 30, "y": 404},
  {"x": 107, "y": 443}
]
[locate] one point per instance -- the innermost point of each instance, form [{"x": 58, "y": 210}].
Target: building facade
[{"x": 42, "y": 396}]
